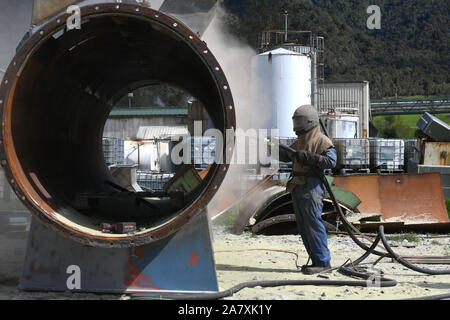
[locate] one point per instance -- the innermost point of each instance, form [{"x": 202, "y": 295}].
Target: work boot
[
  {"x": 310, "y": 270},
  {"x": 306, "y": 266}
]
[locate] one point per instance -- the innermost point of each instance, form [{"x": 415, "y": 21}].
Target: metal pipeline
[{"x": 56, "y": 96}]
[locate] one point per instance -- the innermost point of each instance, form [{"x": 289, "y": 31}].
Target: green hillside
[
  {"x": 408, "y": 56},
  {"x": 404, "y": 126}
]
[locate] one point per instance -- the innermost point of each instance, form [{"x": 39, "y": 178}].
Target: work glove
[{"x": 308, "y": 158}]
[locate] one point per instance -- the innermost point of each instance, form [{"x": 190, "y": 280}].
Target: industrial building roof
[
  {"x": 149, "y": 112},
  {"x": 160, "y": 132}
]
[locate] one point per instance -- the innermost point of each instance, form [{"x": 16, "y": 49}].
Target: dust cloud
[{"x": 235, "y": 58}]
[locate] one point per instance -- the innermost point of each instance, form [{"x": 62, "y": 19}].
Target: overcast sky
[{"x": 15, "y": 18}]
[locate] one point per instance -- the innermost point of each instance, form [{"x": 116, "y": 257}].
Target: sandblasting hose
[
  {"x": 265, "y": 284},
  {"x": 403, "y": 261}
]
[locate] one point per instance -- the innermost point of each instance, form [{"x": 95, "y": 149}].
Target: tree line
[{"x": 408, "y": 56}]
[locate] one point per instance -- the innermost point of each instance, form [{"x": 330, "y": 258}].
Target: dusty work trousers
[{"x": 308, "y": 205}]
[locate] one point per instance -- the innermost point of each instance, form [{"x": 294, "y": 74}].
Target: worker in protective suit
[{"x": 315, "y": 152}]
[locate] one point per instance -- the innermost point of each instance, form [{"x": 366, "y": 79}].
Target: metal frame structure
[
  {"x": 183, "y": 262},
  {"x": 410, "y": 106}
]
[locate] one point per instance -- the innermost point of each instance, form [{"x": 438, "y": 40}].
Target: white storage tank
[
  {"x": 144, "y": 154},
  {"x": 281, "y": 82}
]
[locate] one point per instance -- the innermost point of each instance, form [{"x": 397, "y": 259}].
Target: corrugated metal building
[
  {"x": 347, "y": 98},
  {"x": 161, "y": 132},
  {"x": 125, "y": 123}
]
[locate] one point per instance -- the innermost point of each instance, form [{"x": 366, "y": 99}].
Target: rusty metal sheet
[
  {"x": 365, "y": 187},
  {"x": 436, "y": 154},
  {"x": 408, "y": 198},
  {"x": 204, "y": 173}
]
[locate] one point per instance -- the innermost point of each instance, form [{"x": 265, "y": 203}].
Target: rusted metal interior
[{"x": 55, "y": 99}]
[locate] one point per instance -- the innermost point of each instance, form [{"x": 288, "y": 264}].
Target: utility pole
[
  {"x": 130, "y": 99},
  {"x": 286, "y": 26}
]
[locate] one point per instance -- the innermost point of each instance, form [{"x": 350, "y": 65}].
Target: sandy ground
[
  {"x": 236, "y": 267},
  {"x": 247, "y": 265}
]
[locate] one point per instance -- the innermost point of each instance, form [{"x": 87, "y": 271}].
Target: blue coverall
[{"x": 308, "y": 205}]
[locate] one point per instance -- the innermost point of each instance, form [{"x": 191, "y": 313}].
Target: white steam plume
[{"x": 235, "y": 57}]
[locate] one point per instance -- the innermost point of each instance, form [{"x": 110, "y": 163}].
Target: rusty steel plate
[
  {"x": 437, "y": 154},
  {"x": 407, "y": 198}
]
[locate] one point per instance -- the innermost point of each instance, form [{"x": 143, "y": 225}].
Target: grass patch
[{"x": 402, "y": 126}]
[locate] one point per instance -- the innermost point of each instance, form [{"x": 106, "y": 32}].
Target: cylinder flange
[{"x": 57, "y": 94}]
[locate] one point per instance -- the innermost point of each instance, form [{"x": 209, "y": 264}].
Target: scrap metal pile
[{"x": 399, "y": 202}]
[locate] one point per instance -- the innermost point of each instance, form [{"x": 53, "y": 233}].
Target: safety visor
[{"x": 300, "y": 123}]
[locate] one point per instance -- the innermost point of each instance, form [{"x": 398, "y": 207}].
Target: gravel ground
[
  {"x": 237, "y": 267},
  {"x": 248, "y": 263}
]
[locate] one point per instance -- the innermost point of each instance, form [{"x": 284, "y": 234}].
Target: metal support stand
[{"x": 183, "y": 262}]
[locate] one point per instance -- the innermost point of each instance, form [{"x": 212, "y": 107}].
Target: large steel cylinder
[{"x": 56, "y": 96}]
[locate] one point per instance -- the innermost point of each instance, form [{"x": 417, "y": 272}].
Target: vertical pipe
[
  {"x": 286, "y": 26},
  {"x": 314, "y": 82},
  {"x": 366, "y": 110}
]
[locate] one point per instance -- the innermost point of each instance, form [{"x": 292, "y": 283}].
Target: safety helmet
[{"x": 305, "y": 119}]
